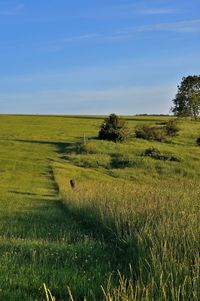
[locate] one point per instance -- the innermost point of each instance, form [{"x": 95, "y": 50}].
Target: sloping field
[
  {"x": 39, "y": 240},
  {"x": 135, "y": 215}
]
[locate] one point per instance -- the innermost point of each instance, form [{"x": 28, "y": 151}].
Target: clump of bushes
[
  {"x": 150, "y": 132},
  {"x": 156, "y": 154},
  {"x": 151, "y": 152},
  {"x": 126, "y": 160},
  {"x": 159, "y": 133},
  {"x": 114, "y": 129},
  {"x": 172, "y": 128}
]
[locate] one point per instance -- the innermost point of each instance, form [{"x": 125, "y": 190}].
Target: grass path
[
  {"x": 39, "y": 240},
  {"x": 43, "y": 241}
]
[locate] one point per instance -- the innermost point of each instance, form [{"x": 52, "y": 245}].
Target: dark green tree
[
  {"x": 114, "y": 129},
  {"x": 187, "y": 100}
]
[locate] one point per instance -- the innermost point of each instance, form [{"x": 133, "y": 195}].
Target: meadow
[{"x": 128, "y": 231}]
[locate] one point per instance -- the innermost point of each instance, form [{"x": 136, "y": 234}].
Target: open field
[{"x": 129, "y": 214}]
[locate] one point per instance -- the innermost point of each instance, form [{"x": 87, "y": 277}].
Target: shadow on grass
[
  {"x": 24, "y": 193},
  {"x": 87, "y": 218},
  {"x": 125, "y": 245},
  {"x": 89, "y": 221},
  {"x": 51, "y": 221},
  {"x": 62, "y": 147},
  {"x": 50, "y": 237}
]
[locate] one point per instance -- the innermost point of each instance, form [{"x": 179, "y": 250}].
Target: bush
[
  {"x": 198, "y": 141},
  {"x": 172, "y": 128},
  {"x": 156, "y": 154},
  {"x": 151, "y": 152},
  {"x": 114, "y": 129},
  {"x": 150, "y": 132},
  {"x": 125, "y": 160}
]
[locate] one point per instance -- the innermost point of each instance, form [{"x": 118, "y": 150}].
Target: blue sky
[{"x": 96, "y": 57}]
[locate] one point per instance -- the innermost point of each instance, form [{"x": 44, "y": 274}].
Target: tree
[
  {"x": 187, "y": 100},
  {"x": 114, "y": 129}
]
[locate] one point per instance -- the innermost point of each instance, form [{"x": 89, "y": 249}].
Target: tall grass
[
  {"x": 147, "y": 209},
  {"x": 128, "y": 231},
  {"x": 156, "y": 228}
]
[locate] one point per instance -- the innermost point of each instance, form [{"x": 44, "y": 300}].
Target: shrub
[
  {"x": 151, "y": 152},
  {"x": 114, "y": 129},
  {"x": 172, "y": 128},
  {"x": 198, "y": 141},
  {"x": 156, "y": 154},
  {"x": 125, "y": 160},
  {"x": 150, "y": 132}
]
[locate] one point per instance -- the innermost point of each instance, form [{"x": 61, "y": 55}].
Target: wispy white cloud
[
  {"x": 12, "y": 11},
  {"x": 180, "y": 26},
  {"x": 158, "y": 11},
  {"x": 115, "y": 35},
  {"x": 83, "y": 37},
  {"x": 190, "y": 26},
  {"x": 128, "y": 10},
  {"x": 118, "y": 35}
]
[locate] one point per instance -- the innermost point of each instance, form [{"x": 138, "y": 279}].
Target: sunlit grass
[
  {"x": 128, "y": 231},
  {"x": 147, "y": 208}
]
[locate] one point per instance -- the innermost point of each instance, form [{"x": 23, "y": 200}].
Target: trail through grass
[
  {"x": 39, "y": 240},
  {"x": 128, "y": 213}
]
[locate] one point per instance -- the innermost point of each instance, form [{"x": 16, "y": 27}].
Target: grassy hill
[{"x": 131, "y": 225}]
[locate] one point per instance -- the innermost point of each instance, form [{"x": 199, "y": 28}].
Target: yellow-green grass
[{"x": 128, "y": 214}]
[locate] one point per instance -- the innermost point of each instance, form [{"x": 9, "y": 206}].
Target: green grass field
[{"x": 128, "y": 231}]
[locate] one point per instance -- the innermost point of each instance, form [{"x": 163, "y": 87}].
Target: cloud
[
  {"x": 181, "y": 26},
  {"x": 158, "y": 11},
  {"x": 12, "y": 11},
  {"x": 83, "y": 37},
  {"x": 190, "y": 26},
  {"x": 116, "y": 35},
  {"x": 127, "y": 10}
]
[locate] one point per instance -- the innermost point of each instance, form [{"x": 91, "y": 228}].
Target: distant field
[{"x": 130, "y": 226}]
